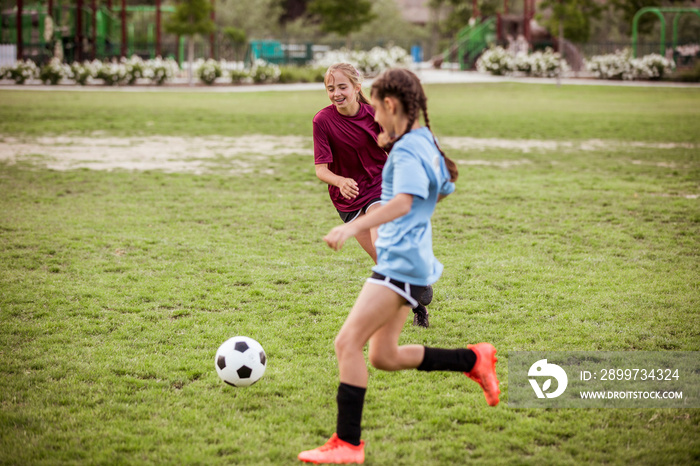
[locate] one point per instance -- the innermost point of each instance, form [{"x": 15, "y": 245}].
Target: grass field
[{"x": 116, "y": 288}]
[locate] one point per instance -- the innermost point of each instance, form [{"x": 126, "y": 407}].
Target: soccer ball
[{"x": 240, "y": 361}]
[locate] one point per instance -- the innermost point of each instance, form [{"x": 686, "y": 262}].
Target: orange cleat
[
  {"x": 335, "y": 451},
  {"x": 484, "y": 371}
]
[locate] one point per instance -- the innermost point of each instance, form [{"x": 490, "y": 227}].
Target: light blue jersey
[{"x": 405, "y": 245}]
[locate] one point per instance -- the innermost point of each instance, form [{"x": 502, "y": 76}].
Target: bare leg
[
  {"x": 379, "y": 314},
  {"x": 367, "y": 238}
]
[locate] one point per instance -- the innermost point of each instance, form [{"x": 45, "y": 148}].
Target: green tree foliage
[
  {"x": 341, "y": 16},
  {"x": 461, "y": 11},
  {"x": 389, "y": 24},
  {"x": 191, "y": 17},
  {"x": 575, "y": 15}
]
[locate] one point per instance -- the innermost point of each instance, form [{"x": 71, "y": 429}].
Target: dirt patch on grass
[
  {"x": 244, "y": 154},
  {"x": 197, "y": 155}
]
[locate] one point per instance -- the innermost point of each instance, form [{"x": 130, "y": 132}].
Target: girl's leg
[
  {"x": 384, "y": 350},
  {"x": 367, "y": 238},
  {"x": 364, "y": 238},
  {"x": 376, "y": 307}
]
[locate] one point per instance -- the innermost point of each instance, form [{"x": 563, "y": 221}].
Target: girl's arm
[
  {"x": 395, "y": 208},
  {"x": 348, "y": 186}
]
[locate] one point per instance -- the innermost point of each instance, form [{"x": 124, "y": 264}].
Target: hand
[
  {"x": 348, "y": 188},
  {"x": 338, "y": 235},
  {"x": 384, "y": 139}
]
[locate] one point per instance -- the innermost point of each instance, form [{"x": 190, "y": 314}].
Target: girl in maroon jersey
[{"x": 350, "y": 161}]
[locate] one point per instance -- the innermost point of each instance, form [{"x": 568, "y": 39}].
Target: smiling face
[{"x": 343, "y": 93}]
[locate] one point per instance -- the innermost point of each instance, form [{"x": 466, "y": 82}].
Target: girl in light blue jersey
[{"x": 415, "y": 177}]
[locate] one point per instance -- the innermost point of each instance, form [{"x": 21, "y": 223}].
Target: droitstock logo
[{"x": 542, "y": 369}]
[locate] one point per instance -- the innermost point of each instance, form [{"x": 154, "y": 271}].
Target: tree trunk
[
  {"x": 561, "y": 51},
  {"x": 190, "y": 59}
]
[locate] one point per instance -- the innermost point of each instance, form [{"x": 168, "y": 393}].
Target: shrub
[
  {"x": 158, "y": 71},
  {"x": 53, "y": 72},
  {"x": 611, "y": 66},
  {"x": 301, "y": 74},
  {"x": 371, "y": 63},
  {"x": 134, "y": 67},
  {"x": 112, "y": 73},
  {"x": 263, "y": 72},
  {"x": 621, "y": 65},
  {"x": 82, "y": 72},
  {"x": 652, "y": 66},
  {"x": 547, "y": 64},
  {"x": 498, "y": 61},
  {"x": 21, "y": 71},
  {"x": 208, "y": 70}
]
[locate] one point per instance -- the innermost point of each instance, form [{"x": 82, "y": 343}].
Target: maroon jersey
[{"x": 349, "y": 146}]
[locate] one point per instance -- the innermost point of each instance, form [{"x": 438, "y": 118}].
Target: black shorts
[
  {"x": 348, "y": 217},
  {"x": 409, "y": 292}
]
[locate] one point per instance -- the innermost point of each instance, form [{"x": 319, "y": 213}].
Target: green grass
[
  {"x": 514, "y": 111},
  {"x": 116, "y": 288}
]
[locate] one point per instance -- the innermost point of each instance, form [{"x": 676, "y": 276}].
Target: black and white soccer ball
[{"x": 240, "y": 361}]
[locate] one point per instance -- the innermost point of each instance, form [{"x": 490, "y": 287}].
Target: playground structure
[
  {"x": 520, "y": 33},
  {"x": 517, "y": 32},
  {"x": 85, "y": 30},
  {"x": 658, "y": 11}
]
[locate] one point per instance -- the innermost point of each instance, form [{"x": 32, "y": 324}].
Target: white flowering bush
[
  {"x": 371, "y": 62},
  {"x": 81, "y": 73},
  {"x": 124, "y": 71},
  {"x": 520, "y": 62},
  {"x": 547, "y": 64},
  {"x": 158, "y": 71},
  {"x": 208, "y": 70},
  {"x": 263, "y": 72},
  {"x": 236, "y": 72},
  {"x": 112, "y": 73},
  {"x": 53, "y": 72},
  {"x": 621, "y": 65},
  {"x": 135, "y": 68},
  {"x": 612, "y": 65},
  {"x": 21, "y": 71},
  {"x": 652, "y": 66},
  {"x": 498, "y": 61}
]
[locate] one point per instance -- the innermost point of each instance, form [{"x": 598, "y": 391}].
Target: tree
[
  {"x": 341, "y": 16},
  {"x": 191, "y": 17},
  {"x": 459, "y": 14},
  {"x": 238, "y": 39},
  {"x": 573, "y": 15}
]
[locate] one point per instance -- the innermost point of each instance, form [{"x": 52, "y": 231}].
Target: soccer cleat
[
  {"x": 335, "y": 451},
  {"x": 427, "y": 296},
  {"x": 484, "y": 371},
  {"x": 420, "y": 316}
]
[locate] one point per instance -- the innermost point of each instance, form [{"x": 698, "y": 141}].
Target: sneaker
[
  {"x": 484, "y": 371},
  {"x": 427, "y": 296},
  {"x": 420, "y": 316},
  {"x": 335, "y": 451}
]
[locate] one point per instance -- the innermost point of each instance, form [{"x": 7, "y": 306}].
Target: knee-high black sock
[
  {"x": 350, "y": 400},
  {"x": 438, "y": 359}
]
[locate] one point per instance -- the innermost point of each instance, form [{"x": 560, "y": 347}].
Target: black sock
[
  {"x": 350, "y": 401},
  {"x": 438, "y": 359}
]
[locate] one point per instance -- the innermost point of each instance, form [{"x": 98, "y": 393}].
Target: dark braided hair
[{"x": 405, "y": 86}]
